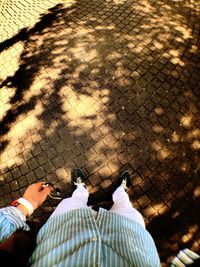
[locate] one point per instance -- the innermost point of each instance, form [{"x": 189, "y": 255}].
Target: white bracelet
[{"x": 26, "y": 204}]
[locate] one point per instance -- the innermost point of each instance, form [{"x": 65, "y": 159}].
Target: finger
[
  {"x": 49, "y": 185},
  {"x": 46, "y": 191},
  {"x": 39, "y": 186}
]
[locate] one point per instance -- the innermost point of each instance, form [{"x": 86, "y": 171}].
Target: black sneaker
[
  {"x": 78, "y": 177},
  {"x": 125, "y": 180}
]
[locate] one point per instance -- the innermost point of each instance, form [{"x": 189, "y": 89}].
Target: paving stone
[
  {"x": 22, "y": 181},
  {"x": 105, "y": 184},
  {"x": 6, "y": 188},
  {"x": 80, "y": 160},
  {"x": 31, "y": 178},
  {"x": 40, "y": 172},
  {"x": 60, "y": 147},
  {"x": 109, "y": 93},
  {"x": 94, "y": 180},
  {"x": 14, "y": 185},
  {"x": 51, "y": 153},
  {"x": 49, "y": 167},
  {"x": 8, "y": 177},
  {"x": 16, "y": 173},
  {"x": 24, "y": 169},
  {"x": 33, "y": 164},
  {"x": 58, "y": 162},
  {"x": 41, "y": 159},
  {"x": 37, "y": 150},
  {"x": 77, "y": 149}
]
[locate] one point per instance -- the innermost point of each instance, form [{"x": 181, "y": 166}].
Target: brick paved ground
[{"x": 105, "y": 85}]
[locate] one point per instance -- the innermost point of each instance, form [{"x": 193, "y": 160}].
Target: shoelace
[
  {"x": 124, "y": 185},
  {"x": 79, "y": 182},
  {"x": 51, "y": 196},
  {"x": 57, "y": 190}
]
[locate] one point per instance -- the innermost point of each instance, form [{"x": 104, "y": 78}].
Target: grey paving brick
[
  {"x": 120, "y": 90},
  {"x": 14, "y": 185},
  {"x": 33, "y": 164},
  {"x": 16, "y": 173}
]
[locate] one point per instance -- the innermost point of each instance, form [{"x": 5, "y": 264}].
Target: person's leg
[
  {"x": 123, "y": 206},
  {"x": 78, "y": 200}
]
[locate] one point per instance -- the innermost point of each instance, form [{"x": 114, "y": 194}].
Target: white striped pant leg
[
  {"x": 123, "y": 206},
  {"x": 78, "y": 200}
]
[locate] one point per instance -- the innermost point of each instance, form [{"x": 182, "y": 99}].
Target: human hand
[{"x": 36, "y": 194}]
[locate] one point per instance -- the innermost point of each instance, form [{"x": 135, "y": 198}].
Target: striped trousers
[{"x": 121, "y": 206}]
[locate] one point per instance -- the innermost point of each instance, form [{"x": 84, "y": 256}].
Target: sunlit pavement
[{"x": 105, "y": 85}]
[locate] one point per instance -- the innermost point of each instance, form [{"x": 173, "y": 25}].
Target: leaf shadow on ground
[{"x": 109, "y": 87}]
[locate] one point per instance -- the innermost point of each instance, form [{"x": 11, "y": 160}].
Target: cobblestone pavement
[{"x": 105, "y": 85}]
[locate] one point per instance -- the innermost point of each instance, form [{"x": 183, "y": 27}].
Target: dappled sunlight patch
[
  {"x": 186, "y": 121},
  {"x": 193, "y": 137},
  {"x": 35, "y": 90},
  {"x": 188, "y": 93},
  {"x": 157, "y": 128},
  {"x": 63, "y": 42},
  {"x": 174, "y": 57},
  {"x": 9, "y": 159},
  {"x": 85, "y": 107},
  {"x": 82, "y": 109},
  {"x": 101, "y": 88},
  {"x": 113, "y": 55},
  {"x": 17, "y": 132},
  {"x": 193, "y": 134},
  {"x": 193, "y": 49},
  {"x": 82, "y": 32},
  {"x": 185, "y": 31},
  {"x": 139, "y": 47},
  {"x": 118, "y": 2},
  {"x": 144, "y": 7},
  {"x": 162, "y": 151},
  {"x": 63, "y": 174},
  {"x": 10, "y": 60},
  {"x": 87, "y": 56},
  {"x": 26, "y": 15},
  {"x": 156, "y": 210},
  {"x": 80, "y": 50},
  {"x": 105, "y": 27},
  {"x": 157, "y": 145},
  {"x": 158, "y": 45},
  {"x": 53, "y": 125},
  {"x": 18, "y": 128},
  {"x": 163, "y": 154},
  {"x": 159, "y": 110},
  {"x": 175, "y": 138},
  {"x": 5, "y": 95},
  {"x": 190, "y": 234},
  {"x": 197, "y": 191},
  {"x": 9, "y": 64},
  {"x": 185, "y": 167},
  {"x": 135, "y": 75},
  {"x": 50, "y": 73},
  {"x": 162, "y": 40},
  {"x": 196, "y": 145},
  {"x": 195, "y": 245}
]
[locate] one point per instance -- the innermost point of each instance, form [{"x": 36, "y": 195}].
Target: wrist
[
  {"x": 23, "y": 210},
  {"x": 24, "y": 205},
  {"x": 33, "y": 204}
]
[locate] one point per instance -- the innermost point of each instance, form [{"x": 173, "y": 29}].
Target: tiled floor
[{"x": 105, "y": 85}]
